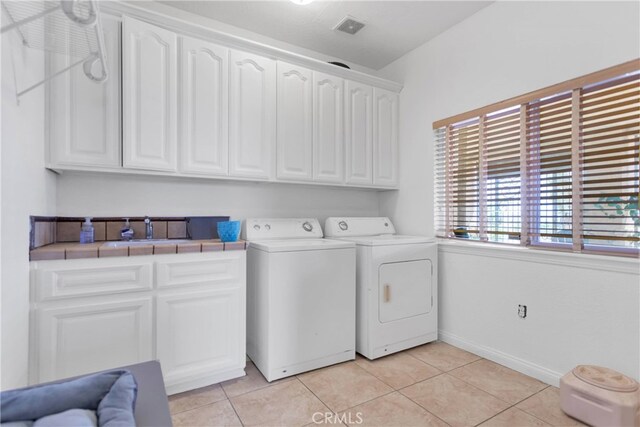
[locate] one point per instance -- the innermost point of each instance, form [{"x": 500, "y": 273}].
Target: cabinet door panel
[
  {"x": 328, "y": 132},
  {"x": 54, "y": 280},
  {"x": 295, "y": 122},
  {"x": 204, "y": 107},
  {"x": 93, "y": 334},
  {"x": 84, "y": 116},
  {"x": 252, "y": 116},
  {"x": 200, "y": 332},
  {"x": 150, "y": 103},
  {"x": 359, "y": 133},
  {"x": 385, "y": 137},
  {"x": 222, "y": 271}
]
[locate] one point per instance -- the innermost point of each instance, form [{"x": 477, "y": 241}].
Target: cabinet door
[
  {"x": 328, "y": 132},
  {"x": 204, "y": 107},
  {"x": 149, "y": 106},
  {"x": 200, "y": 333},
  {"x": 385, "y": 137},
  {"x": 92, "y": 334},
  {"x": 252, "y": 116},
  {"x": 359, "y": 133},
  {"x": 84, "y": 116},
  {"x": 295, "y": 123}
]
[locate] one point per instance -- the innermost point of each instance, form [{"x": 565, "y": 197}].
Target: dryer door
[{"x": 405, "y": 289}]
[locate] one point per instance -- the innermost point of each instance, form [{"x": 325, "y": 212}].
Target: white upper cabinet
[
  {"x": 84, "y": 116},
  {"x": 359, "y": 133},
  {"x": 328, "y": 130},
  {"x": 385, "y": 138},
  {"x": 252, "y": 116},
  {"x": 187, "y": 106},
  {"x": 149, "y": 97},
  {"x": 295, "y": 122},
  {"x": 204, "y": 107}
]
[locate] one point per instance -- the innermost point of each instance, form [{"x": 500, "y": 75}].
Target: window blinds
[
  {"x": 556, "y": 168},
  {"x": 501, "y": 166},
  {"x": 610, "y": 134},
  {"x": 549, "y": 190}
]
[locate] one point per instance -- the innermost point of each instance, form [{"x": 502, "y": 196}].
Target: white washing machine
[
  {"x": 301, "y": 297},
  {"x": 397, "y": 287}
]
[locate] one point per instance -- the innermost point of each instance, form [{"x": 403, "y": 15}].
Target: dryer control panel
[
  {"x": 281, "y": 228},
  {"x": 358, "y": 226}
]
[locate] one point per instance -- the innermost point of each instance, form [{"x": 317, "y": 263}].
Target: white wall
[
  {"x": 130, "y": 195},
  {"x": 505, "y": 50},
  {"x": 27, "y": 189}
]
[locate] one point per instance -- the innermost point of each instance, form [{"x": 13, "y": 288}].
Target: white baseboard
[
  {"x": 536, "y": 371},
  {"x": 174, "y": 387}
]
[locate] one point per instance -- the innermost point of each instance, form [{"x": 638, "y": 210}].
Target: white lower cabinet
[
  {"x": 200, "y": 333},
  {"x": 88, "y": 335},
  {"x": 190, "y": 316}
]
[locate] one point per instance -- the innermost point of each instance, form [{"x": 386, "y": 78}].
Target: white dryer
[
  {"x": 301, "y": 292},
  {"x": 397, "y": 287}
]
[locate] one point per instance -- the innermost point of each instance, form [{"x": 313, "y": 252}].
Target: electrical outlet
[{"x": 522, "y": 311}]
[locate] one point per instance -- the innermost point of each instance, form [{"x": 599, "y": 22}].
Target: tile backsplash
[
  {"x": 43, "y": 231},
  {"x": 47, "y": 230}
]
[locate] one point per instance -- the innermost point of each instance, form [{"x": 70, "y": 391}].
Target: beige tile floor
[{"x": 432, "y": 385}]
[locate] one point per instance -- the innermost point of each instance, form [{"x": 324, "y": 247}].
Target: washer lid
[
  {"x": 605, "y": 378},
  {"x": 389, "y": 239},
  {"x": 294, "y": 245}
]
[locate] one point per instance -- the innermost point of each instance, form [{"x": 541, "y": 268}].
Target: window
[{"x": 557, "y": 168}]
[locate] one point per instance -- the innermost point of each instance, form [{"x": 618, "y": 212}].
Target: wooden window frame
[{"x": 528, "y": 179}]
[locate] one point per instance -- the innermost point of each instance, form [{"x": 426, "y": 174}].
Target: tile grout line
[
  {"x": 276, "y": 382},
  {"x": 515, "y": 407},
  {"x": 231, "y": 403},
  {"x": 471, "y": 385},
  {"x": 415, "y": 382},
  {"x": 316, "y": 396},
  {"x": 529, "y": 413},
  {"x": 236, "y": 412},
  {"x": 198, "y": 406},
  {"x": 493, "y": 416},
  {"x": 400, "y": 391},
  {"x": 491, "y": 394},
  {"x": 355, "y": 406}
]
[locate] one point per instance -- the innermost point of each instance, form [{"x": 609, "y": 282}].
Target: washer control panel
[
  {"x": 358, "y": 226},
  {"x": 281, "y": 228}
]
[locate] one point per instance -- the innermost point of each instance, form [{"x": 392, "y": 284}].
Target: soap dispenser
[{"x": 87, "y": 233}]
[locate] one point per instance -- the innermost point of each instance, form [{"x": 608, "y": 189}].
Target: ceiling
[{"x": 392, "y": 28}]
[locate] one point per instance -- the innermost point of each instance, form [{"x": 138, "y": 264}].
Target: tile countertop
[{"x": 99, "y": 250}]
